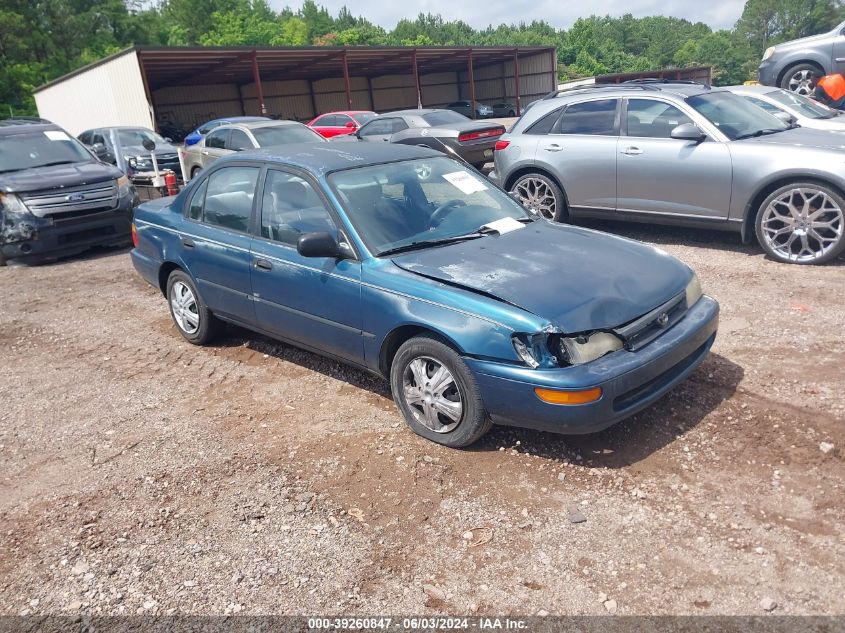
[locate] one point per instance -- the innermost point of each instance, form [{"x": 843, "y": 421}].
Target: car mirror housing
[
  {"x": 688, "y": 132},
  {"x": 785, "y": 117},
  {"x": 350, "y": 125},
  {"x": 318, "y": 245}
]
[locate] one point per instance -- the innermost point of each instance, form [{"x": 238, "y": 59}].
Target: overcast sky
[{"x": 719, "y": 14}]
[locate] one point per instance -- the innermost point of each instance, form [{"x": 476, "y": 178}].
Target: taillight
[
  {"x": 500, "y": 145},
  {"x": 134, "y": 236},
  {"x": 472, "y": 136}
]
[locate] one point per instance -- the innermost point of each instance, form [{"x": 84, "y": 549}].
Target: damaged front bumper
[
  {"x": 629, "y": 381},
  {"x": 27, "y": 237}
]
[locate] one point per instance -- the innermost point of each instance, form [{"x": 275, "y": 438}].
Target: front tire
[
  {"x": 542, "y": 194},
  {"x": 798, "y": 78},
  {"x": 802, "y": 223},
  {"x": 437, "y": 393},
  {"x": 192, "y": 317}
]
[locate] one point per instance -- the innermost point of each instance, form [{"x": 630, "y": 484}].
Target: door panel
[
  {"x": 839, "y": 54},
  {"x": 581, "y": 152},
  {"x": 661, "y": 175},
  {"x": 315, "y": 301}
]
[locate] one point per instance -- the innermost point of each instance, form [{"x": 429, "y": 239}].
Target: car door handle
[
  {"x": 187, "y": 243},
  {"x": 632, "y": 151},
  {"x": 204, "y": 153},
  {"x": 554, "y": 147},
  {"x": 263, "y": 264}
]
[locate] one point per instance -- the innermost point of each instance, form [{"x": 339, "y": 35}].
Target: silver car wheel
[
  {"x": 801, "y": 82},
  {"x": 536, "y": 194},
  {"x": 802, "y": 224},
  {"x": 432, "y": 395},
  {"x": 184, "y": 306}
]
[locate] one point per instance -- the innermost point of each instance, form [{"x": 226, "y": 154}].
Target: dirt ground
[{"x": 141, "y": 474}]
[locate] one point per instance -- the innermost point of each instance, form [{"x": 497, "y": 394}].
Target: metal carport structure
[{"x": 187, "y": 85}]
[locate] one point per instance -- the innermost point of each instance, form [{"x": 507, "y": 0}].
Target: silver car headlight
[
  {"x": 124, "y": 186},
  {"x": 693, "y": 291},
  {"x": 769, "y": 52}
]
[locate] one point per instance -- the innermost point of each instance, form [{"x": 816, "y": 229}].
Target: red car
[{"x": 339, "y": 123}]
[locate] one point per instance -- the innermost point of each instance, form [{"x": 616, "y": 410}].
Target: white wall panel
[{"x": 109, "y": 94}]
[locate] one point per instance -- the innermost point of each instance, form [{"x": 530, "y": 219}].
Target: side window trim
[{"x": 202, "y": 183}]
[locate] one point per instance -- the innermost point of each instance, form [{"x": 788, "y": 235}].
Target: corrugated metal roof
[{"x": 169, "y": 66}]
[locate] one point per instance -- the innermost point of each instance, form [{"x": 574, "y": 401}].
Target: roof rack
[
  {"x": 664, "y": 80},
  {"x": 557, "y": 93}
]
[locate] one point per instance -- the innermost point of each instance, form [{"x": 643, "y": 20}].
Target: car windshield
[
  {"x": 803, "y": 105},
  {"x": 40, "y": 149},
  {"x": 138, "y": 136},
  {"x": 420, "y": 203},
  {"x": 444, "y": 117},
  {"x": 735, "y": 117},
  {"x": 284, "y": 134},
  {"x": 363, "y": 117}
]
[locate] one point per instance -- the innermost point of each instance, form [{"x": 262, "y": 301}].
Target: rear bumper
[
  {"x": 58, "y": 237},
  {"x": 630, "y": 381},
  {"x": 475, "y": 152}
]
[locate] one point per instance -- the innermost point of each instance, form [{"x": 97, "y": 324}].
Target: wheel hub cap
[
  {"x": 802, "y": 224},
  {"x": 536, "y": 195},
  {"x": 800, "y": 82},
  {"x": 184, "y": 307},
  {"x": 432, "y": 394}
]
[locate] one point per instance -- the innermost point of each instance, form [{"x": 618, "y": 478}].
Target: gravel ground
[{"x": 141, "y": 474}]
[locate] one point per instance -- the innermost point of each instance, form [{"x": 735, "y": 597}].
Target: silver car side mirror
[{"x": 688, "y": 132}]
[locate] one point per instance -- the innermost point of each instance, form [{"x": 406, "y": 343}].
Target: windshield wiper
[
  {"x": 420, "y": 244},
  {"x": 761, "y": 133},
  {"x": 56, "y": 162}
]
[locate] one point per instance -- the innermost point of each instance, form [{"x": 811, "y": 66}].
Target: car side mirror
[
  {"x": 318, "y": 245},
  {"x": 350, "y": 125},
  {"x": 785, "y": 117},
  {"x": 148, "y": 144},
  {"x": 688, "y": 132}
]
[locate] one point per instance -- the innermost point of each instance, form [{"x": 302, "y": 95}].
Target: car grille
[
  {"x": 78, "y": 200},
  {"x": 642, "y": 331}
]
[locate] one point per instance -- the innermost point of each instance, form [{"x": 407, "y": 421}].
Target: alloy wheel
[
  {"x": 185, "y": 309},
  {"x": 801, "y": 81},
  {"x": 536, "y": 194},
  {"x": 801, "y": 225},
  {"x": 432, "y": 395}
]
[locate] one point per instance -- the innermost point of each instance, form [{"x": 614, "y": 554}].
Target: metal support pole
[
  {"x": 471, "y": 80},
  {"x": 346, "y": 81},
  {"x": 259, "y": 93},
  {"x": 370, "y": 91},
  {"x": 313, "y": 99},
  {"x": 516, "y": 82},
  {"x": 416, "y": 78}
]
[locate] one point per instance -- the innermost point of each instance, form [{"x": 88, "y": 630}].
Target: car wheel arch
[
  {"x": 753, "y": 206},
  {"x": 798, "y": 62},
  {"x": 164, "y": 272},
  {"x": 398, "y": 335},
  {"x": 533, "y": 169}
]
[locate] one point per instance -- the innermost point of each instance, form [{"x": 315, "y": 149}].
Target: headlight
[
  {"x": 693, "y": 291},
  {"x": 123, "y": 186},
  {"x": 769, "y": 52},
  {"x": 132, "y": 161},
  {"x": 556, "y": 350},
  {"x": 12, "y": 205},
  {"x": 583, "y": 349}
]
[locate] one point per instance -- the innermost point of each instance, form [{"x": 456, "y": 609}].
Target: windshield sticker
[
  {"x": 465, "y": 182},
  {"x": 56, "y": 135},
  {"x": 505, "y": 225}
]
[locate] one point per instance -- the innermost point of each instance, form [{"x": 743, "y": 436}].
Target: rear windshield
[
  {"x": 40, "y": 149},
  {"x": 809, "y": 108},
  {"x": 363, "y": 117},
  {"x": 445, "y": 117},
  {"x": 282, "y": 135},
  {"x": 137, "y": 136}
]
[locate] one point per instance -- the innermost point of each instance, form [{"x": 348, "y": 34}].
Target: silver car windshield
[
  {"x": 805, "y": 106},
  {"x": 735, "y": 117},
  {"x": 420, "y": 202},
  {"x": 137, "y": 136}
]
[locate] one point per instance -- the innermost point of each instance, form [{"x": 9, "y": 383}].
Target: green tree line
[{"x": 43, "y": 39}]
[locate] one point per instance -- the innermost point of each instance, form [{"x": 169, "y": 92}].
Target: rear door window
[
  {"x": 228, "y": 198},
  {"x": 596, "y": 118},
  {"x": 239, "y": 141},
  {"x": 217, "y": 139}
]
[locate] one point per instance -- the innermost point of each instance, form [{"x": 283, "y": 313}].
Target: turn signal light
[
  {"x": 134, "y": 236},
  {"x": 578, "y": 396},
  {"x": 500, "y": 145}
]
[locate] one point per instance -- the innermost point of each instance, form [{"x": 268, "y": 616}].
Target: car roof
[
  {"x": 11, "y": 127},
  {"x": 323, "y": 158},
  {"x": 625, "y": 90},
  {"x": 347, "y": 112},
  {"x": 414, "y": 112},
  {"x": 253, "y": 125}
]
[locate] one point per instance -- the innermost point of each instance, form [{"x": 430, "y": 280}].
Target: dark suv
[{"x": 56, "y": 197}]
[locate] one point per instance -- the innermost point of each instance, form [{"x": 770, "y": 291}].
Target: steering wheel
[{"x": 445, "y": 209}]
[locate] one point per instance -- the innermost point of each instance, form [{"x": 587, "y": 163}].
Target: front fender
[{"x": 804, "y": 55}]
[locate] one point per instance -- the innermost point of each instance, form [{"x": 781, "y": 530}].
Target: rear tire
[
  {"x": 195, "y": 172},
  {"x": 798, "y": 78},
  {"x": 192, "y": 317},
  {"x": 437, "y": 393},
  {"x": 539, "y": 192},
  {"x": 802, "y": 223}
]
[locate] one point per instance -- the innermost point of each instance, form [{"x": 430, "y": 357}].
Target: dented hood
[{"x": 577, "y": 279}]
